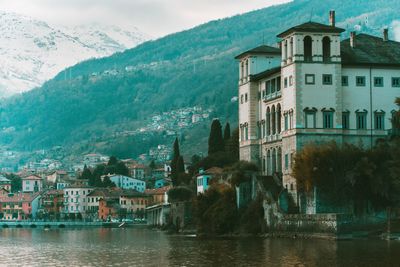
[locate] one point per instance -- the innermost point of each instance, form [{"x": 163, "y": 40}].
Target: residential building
[
  {"x": 316, "y": 88},
  {"x": 75, "y": 199},
  {"x": 126, "y": 182},
  {"x": 133, "y": 203},
  {"x": 32, "y": 183},
  {"x": 5, "y": 183},
  {"x": 204, "y": 177},
  {"x": 159, "y": 195},
  {"x": 52, "y": 203},
  {"x": 19, "y": 206}
]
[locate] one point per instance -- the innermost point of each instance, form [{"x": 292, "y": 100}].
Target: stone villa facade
[{"x": 315, "y": 88}]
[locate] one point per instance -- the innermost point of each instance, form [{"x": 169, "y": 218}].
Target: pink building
[{"x": 19, "y": 206}]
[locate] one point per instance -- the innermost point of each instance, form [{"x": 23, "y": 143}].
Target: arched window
[
  {"x": 273, "y": 120},
  {"x": 279, "y": 167},
  {"x": 247, "y": 68},
  {"x": 268, "y": 162},
  {"x": 285, "y": 50},
  {"x": 291, "y": 48},
  {"x": 326, "y": 49},
  {"x": 268, "y": 121},
  {"x": 273, "y": 161},
  {"x": 278, "y": 117},
  {"x": 307, "y": 48}
]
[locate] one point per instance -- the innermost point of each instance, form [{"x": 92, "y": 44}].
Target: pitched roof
[
  {"x": 158, "y": 191},
  {"x": 262, "y": 49},
  {"x": 19, "y": 197},
  {"x": 3, "y": 180},
  {"x": 311, "y": 27},
  {"x": 32, "y": 177},
  {"x": 264, "y": 74},
  {"x": 370, "y": 50}
]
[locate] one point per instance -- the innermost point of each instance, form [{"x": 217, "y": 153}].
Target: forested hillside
[{"x": 88, "y": 103}]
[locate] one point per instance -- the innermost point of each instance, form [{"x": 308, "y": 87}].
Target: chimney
[
  {"x": 353, "y": 39},
  {"x": 332, "y": 18},
  {"x": 385, "y": 35}
]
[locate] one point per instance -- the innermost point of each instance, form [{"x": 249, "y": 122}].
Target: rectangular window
[
  {"x": 345, "y": 80},
  {"x": 273, "y": 86},
  {"x": 285, "y": 83},
  {"x": 395, "y": 81},
  {"x": 360, "y": 80},
  {"x": 378, "y": 81},
  {"x": 290, "y": 80},
  {"x": 361, "y": 121},
  {"x": 327, "y": 79},
  {"x": 286, "y": 161},
  {"x": 310, "y": 119},
  {"x": 379, "y": 121},
  {"x": 310, "y": 79},
  {"x": 328, "y": 119},
  {"x": 278, "y": 84},
  {"x": 346, "y": 120},
  {"x": 286, "y": 122},
  {"x": 268, "y": 87}
]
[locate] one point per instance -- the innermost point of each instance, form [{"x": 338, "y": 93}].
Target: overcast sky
[{"x": 154, "y": 17}]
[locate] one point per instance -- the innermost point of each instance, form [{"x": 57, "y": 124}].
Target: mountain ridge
[{"x": 34, "y": 51}]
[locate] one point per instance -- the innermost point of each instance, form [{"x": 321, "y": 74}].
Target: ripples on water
[{"x": 143, "y": 247}]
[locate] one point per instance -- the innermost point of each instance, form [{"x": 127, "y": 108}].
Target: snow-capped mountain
[{"x": 32, "y": 51}]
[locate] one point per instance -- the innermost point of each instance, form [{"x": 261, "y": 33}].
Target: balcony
[
  {"x": 272, "y": 138},
  {"x": 272, "y": 96}
]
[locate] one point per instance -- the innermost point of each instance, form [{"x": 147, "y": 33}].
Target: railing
[{"x": 271, "y": 96}]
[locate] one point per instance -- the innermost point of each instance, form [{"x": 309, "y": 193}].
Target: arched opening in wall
[
  {"x": 268, "y": 162},
  {"x": 326, "y": 49},
  {"x": 307, "y": 49},
  {"x": 268, "y": 121},
  {"x": 273, "y": 120},
  {"x": 273, "y": 161},
  {"x": 247, "y": 68},
  {"x": 279, "y": 118},
  {"x": 241, "y": 70},
  {"x": 291, "y": 48},
  {"x": 279, "y": 166},
  {"x": 285, "y": 50}
]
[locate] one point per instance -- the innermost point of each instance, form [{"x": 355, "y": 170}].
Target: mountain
[
  {"x": 106, "y": 96},
  {"x": 33, "y": 51}
]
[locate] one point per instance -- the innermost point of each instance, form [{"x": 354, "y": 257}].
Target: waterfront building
[
  {"x": 52, "y": 203},
  {"x": 5, "y": 183},
  {"x": 75, "y": 199},
  {"x": 126, "y": 182},
  {"x": 94, "y": 197},
  {"x": 158, "y": 210},
  {"x": 315, "y": 88},
  {"x": 133, "y": 203},
  {"x": 32, "y": 184},
  {"x": 19, "y": 206},
  {"x": 108, "y": 208}
]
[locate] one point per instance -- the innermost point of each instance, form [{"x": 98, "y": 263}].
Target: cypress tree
[
  {"x": 227, "y": 132},
  {"x": 174, "y": 163},
  {"x": 86, "y": 173},
  {"x": 215, "y": 140}
]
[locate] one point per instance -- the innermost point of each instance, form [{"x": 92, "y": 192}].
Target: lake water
[{"x": 143, "y": 247}]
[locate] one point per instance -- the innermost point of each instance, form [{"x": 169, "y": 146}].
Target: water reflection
[{"x": 143, "y": 247}]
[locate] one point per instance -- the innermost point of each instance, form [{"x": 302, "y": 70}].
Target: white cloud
[{"x": 155, "y": 17}]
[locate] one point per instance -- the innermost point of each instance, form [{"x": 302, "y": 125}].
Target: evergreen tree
[
  {"x": 112, "y": 161},
  {"x": 120, "y": 168},
  {"x": 180, "y": 165},
  {"x": 175, "y": 163},
  {"x": 152, "y": 165},
  {"x": 215, "y": 140},
  {"x": 107, "y": 182},
  {"x": 227, "y": 132},
  {"x": 86, "y": 173}
]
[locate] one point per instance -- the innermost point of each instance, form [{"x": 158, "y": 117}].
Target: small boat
[{"x": 121, "y": 225}]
